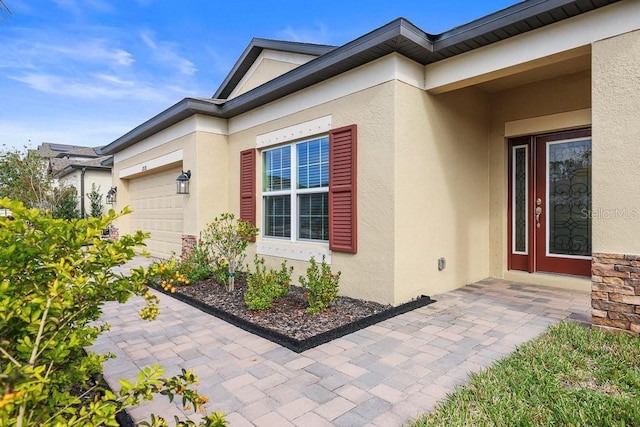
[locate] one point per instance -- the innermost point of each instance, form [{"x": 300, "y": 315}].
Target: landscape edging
[{"x": 292, "y": 344}]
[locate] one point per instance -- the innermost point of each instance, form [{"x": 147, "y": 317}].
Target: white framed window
[{"x": 295, "y": 191}]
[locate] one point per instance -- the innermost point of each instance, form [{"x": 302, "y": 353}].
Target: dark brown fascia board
[
  {"x": 310, "y": 73},
  {"x": 506, "y": 17},
  {"x": 274, "y": 89},
  {"x": 314, "y": 71},
  {"x": 70, "y": 168},
  {"x": 253, "y": 50},
  {"x": 172, "y": 115}
]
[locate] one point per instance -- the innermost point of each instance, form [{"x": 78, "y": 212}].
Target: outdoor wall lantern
[
  {"x": 111, "y": 195},
  {"x": 182, "y": 182}
]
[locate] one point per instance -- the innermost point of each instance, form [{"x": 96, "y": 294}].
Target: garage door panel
[{"x": 159, "y": 211}]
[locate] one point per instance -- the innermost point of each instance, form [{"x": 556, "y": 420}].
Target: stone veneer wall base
[
  {"x": 615, "y": 292},
  {"x": 188, "y": 242}
]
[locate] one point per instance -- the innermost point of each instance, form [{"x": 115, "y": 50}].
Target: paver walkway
[{"x": 384, "y": 375}]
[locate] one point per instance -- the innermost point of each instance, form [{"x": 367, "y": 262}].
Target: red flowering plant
[{"x": 320, "y": 284}]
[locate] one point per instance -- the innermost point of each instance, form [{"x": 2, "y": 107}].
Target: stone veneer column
[
  {"x": 615, "y": 292},
  {"x": 188, "y": 242}
]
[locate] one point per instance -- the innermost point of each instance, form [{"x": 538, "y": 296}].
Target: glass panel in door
[{"x": 569, "y": 198}]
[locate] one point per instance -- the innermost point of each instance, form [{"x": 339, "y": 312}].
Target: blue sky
[{"x": 85, "y": 72}]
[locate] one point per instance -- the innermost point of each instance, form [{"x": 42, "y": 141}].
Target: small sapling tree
[{"x": 227, "y": 237}]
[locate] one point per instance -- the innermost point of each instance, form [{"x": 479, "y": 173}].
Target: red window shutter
[
  {"x": 343, "y": 231},
  {"x": 248, "y": 185}
]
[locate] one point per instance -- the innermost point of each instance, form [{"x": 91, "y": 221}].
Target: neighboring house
[
  {"x": 80, "y": 167},
  {"x": 417, "y": 163}
]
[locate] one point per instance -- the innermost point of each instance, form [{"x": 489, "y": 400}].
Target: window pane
[
  {"x": 313, "y": 163},
  {"x": 277, "y": 169},
  {"x": 313, "y": 216},
  {"x": 277, "y": 216}
]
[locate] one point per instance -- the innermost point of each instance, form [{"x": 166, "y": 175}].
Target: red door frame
[{"x": 536, "y": 258}]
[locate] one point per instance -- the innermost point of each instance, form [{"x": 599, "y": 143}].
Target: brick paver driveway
[{"x": 384, "y": 375}]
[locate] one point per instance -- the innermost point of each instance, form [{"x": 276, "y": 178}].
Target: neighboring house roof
[
  {"x": 64, "y": 158},
  {"x": 50, "y": 150},
  {"x": 66, "y": 166},
  {"x": 399, "y": 36}
]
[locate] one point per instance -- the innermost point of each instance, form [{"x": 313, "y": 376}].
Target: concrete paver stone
[{"x": 383, "y": 375}]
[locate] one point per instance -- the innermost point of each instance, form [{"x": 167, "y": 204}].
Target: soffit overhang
[{"x": 399, "y": 36}]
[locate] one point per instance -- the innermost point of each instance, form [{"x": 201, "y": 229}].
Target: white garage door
[{"x": 157, "y": 209}]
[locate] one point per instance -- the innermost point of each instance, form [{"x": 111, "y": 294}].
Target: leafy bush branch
[
  {"x": 55, "y": 275},
  {"x": 264, "y": 287}
]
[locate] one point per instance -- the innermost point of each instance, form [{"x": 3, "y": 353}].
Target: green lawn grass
[{"x": 569, "y": 376}]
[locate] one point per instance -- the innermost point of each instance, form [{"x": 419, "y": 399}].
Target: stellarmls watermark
[{"x": 600, "y": 213}]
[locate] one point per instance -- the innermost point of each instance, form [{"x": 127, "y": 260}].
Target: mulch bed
[{"x": 287, "y": 321}]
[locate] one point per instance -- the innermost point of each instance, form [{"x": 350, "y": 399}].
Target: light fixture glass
[{"x": 182, "y": 182}]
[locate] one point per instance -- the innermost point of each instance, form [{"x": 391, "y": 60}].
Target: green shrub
[
  {"x": 55, "y": 276},
  {"x": 220, "y": 269},
  {"x": 95, "y": 199},
  {"x": 264, "y": 287},
  {"x": 196, "y": 264},
  {"x": 320, "y": 284}
]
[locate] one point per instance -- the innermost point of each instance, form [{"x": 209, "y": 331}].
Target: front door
[{"x": 550, "y": 203}]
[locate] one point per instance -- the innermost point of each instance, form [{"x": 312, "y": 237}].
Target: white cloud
[
  {"x": 94, "y": 87},
  {"x": 64, "y": 86},
  {"x": 114, "y": 80},
  {"x": 318, "y": 34},
  {"x": 80, "y": 131},
  {"x": 166, "y": 53},
  {"x": 77, "y": 7},
  {"x": 47, "y": 50},
  {"x": 147, "y": 38},
  {"x": 95, "y": 50}
]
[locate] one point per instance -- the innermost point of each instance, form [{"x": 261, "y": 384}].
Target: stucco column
[
  {"x": 208, "y": 160},
  {"x": 616, "y": 178}
]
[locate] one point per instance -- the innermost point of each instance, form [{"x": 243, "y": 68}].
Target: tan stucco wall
[
  {"x": 268, "y": 70},
  {"x": 185, "y": 143},
  {"x": 205, "y": 154},
  {"x": 536, "y": 100},
  {"x": 370, "y": 273},
  {"x": 442, "y": 190},
  {"x": 210, "y": 187},
  {"x": 616, "y": 144}
]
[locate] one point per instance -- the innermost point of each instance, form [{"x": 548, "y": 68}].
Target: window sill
[{"x": 301, "y": 251}]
